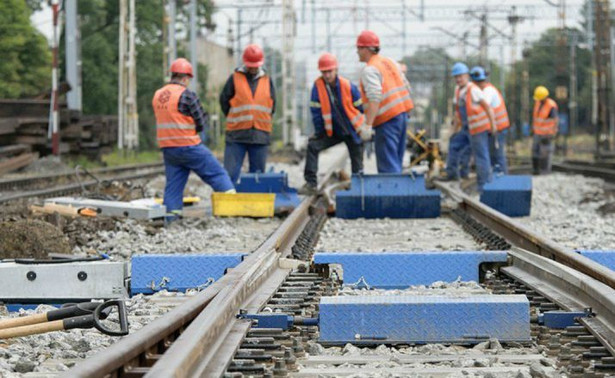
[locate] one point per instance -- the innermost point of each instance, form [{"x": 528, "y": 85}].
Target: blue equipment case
[{"x": 510, "y": 195}]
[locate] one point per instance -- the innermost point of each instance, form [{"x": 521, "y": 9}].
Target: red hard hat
[
  {"x": 327, "y": 62},
  {"x": 253, "y": 56},
  {"x": 181, "y": 66},
  {"x": 368, "y": 38}
]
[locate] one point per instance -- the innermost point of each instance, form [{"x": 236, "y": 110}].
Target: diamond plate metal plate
[
  {"x": 398, "y": 270},
  {"x": 421, "y": 319},
  {"x": 179, "y": 272},
  {"x": 387, "y": 196},
  {"x": 510, "y": 195},
  {"x": 606, "y": 258}
]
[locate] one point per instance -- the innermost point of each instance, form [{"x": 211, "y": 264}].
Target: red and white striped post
[{"x": 55, "y": 121}]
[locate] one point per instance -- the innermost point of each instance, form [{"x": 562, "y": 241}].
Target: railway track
[
  {"x": 203, "y": 336},
  {"x": 73, "y": 182}
]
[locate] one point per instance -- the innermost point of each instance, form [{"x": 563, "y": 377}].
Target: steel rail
[
  {"x": 569, "y": 289},
  {"x": 198, "y": 327},
  {"x": 521, "y": 236},
  {"x": 602, "y": 172},
  {"x": 20, "y": 182},
  {"x": 77, "y": 187}
]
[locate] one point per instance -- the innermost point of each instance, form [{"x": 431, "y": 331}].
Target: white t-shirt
[
  {"x": 477, "y": 95},
  {"x": 491, "y": 96}
]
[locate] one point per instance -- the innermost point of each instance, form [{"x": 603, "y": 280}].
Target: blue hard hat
[
  {"x": 478, "y": 73},
  {"x": 459, "y": 69}
]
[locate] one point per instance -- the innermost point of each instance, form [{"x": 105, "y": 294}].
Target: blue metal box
[
  {"x": 286, "y": 198},
  {"x": 387, "y": 196},
  {"x": 420, "y": 319},
  {"x": 606, "y": 258},
  {"x": 510, "y": 195},
  {"x": 151, "y": 273},
  {"x": 398, "y": 270}
]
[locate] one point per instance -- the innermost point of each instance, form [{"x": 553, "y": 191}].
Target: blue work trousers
[
  {"x": 498, "y": 155},
  {"x": 542, "y": 153},
  {"x": 179, "y": 161},
  {"x": 234, "y": 154},
  {"x": 459, "y": 154},
  {"x": 390, "y": 143},
  {"x": 480, "y": 150}
]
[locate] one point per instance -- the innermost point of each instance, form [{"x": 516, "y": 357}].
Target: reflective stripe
[
  {"x": 390, "y": 105},
  {"x": 391, "y": 92},
  {"x": 243, "y": 108},
  {"x": 248, "y": 117},
  {"x": 471, "y": 118},
  {"x": 175, "y": 126},
  {"x": 327, "y": 116},
  {"x": 315, "y": 104},
  {"x": 356, "y": 118},
  {"x": 358, "y": 102},
  {"x": 500, "y": 113},
  {"x": 195, "y": 137}
]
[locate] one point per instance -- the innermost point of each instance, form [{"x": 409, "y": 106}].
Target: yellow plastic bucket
[{"x": 257, "y": 205}]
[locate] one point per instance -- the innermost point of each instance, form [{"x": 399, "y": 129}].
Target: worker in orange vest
[
  {"x": 544, "y": 127},
  {"x": 473, "y": 113},
  {"x": 179, "y": 120},
  {"x": 387, "y": 102},
  {"x": 337, "y": 114},
  {"x": 497, "y": 150},
  {"x": 248, "y": 102}
]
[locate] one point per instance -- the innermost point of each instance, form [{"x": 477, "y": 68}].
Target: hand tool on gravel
[{"x": 82, "y": 315}]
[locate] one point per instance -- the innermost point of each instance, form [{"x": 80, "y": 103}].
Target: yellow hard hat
[{"x": 540, "y": 93}]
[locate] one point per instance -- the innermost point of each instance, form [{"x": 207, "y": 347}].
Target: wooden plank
[
  {"x": 14, "y": 149},
  {"x": 17, "y": 162}
]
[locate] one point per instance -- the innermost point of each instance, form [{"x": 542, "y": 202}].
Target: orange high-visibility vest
[
  {"x": 395, "y": 96},
  {"x": 478, "y": 119},
  {"x": 250, "y": 110},
  {"x": 173, "y": 129},
  {"x": 541, "y": 123},
  {"x": 500, "y": 113},
  {"x": 354, "y": 115}
]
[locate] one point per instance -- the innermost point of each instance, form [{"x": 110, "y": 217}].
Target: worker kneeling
[
  {"x": 337, "y": 115},
  {"x": 179, "y": 119},
  {"x": 386, "y": 98}
]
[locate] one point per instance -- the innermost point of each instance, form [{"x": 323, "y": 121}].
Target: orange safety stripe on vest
[
  {"x": 500, "y": 113},
  {"x": 478, "y": 119},
  {"x": 173, "y": 129},
  {"x": 354, "y": 115},
  {"x": 250, "y": 110},
  {"x": 541, "y": 123},
  {"x": 395, "y": 95}
]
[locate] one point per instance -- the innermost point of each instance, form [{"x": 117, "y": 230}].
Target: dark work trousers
[{"x": 319, "y": 143}]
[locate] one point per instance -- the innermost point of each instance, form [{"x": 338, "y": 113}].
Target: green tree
[{"x": 25, "y": 67}]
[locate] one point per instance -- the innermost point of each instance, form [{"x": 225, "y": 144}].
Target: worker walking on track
[
  {"x": 179, "y": 119},
  {"x": 544, "y": 127},
  {"x": 497, "y": 150},
  {"x": 248, "y": 101},
  {"x": 474, "y": 114},
  {"x": 386, "y": 100},
  {"x": 337, "y": 115}
]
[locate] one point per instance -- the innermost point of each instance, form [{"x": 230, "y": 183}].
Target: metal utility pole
[
  {"x": 484, "y": 42},
  {"x": 54, "y": 124},
  {"x": 572, "y": 98},
  {"x": 512, "y": 102},
  {"x": 128, "y": 118},
  {"x": 238, "y": 37},
  {"x": 73, "y": 56},
  {"x": 329, "y": 44},
  {"x": 313, "y": 27},
  {"x": 288, "y": 71},
  {"x": 194, "y": 84},
  {"x": 172, "y": 43},
  {"x": 525, "y": 90},
  {"x": 403, "y": 28},
  {"x": 602, "y": 57}
]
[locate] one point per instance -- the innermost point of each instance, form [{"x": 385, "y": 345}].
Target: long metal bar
[{"x": 524, "y": 238}]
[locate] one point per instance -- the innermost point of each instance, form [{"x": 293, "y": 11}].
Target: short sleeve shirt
[
  {"x": 492, "y": 97},
  {"x": 477, "y": 95}
]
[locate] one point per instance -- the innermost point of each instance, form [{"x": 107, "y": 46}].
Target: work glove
[{"x": 366, "y": 132}]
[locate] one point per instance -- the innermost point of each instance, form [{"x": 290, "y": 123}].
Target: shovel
[{"x": 83, "y": 315}]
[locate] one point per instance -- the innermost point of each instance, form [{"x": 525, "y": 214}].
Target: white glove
[{"x": 366, "y": 132}]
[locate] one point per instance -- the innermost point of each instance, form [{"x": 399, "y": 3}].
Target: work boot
[
  {"x": 308, "y": 189},
  {"x": 535, "y": 166},
  {"x": 446, "y": 178}
]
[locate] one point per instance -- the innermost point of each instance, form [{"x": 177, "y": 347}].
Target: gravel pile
[
  {"x": 32, "y": 356},
  {"x": 394, "y": 235},
  {"x": 456, "y": 288},
  {"x": 570, "y": 210},
  {"x": 205, "y": 235}
]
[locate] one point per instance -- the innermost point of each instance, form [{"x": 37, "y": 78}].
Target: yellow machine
[{"x": 423, "y": 149}]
